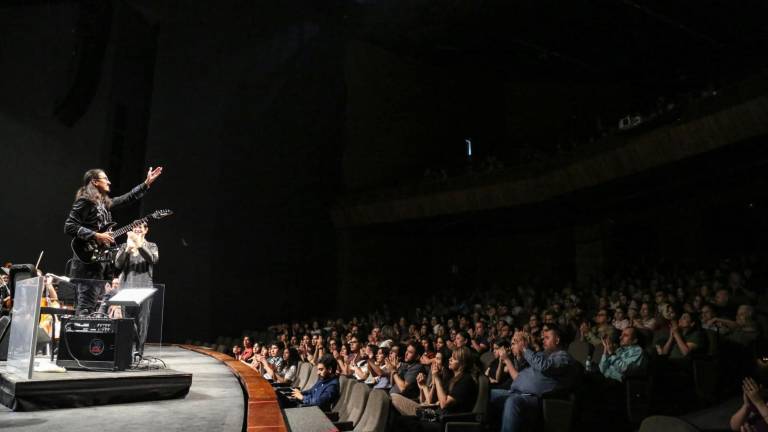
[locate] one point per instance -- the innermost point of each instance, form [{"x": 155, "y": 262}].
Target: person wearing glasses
[
  {"x": 89, "y": 216},
  {"x": 602, "y": 329}
]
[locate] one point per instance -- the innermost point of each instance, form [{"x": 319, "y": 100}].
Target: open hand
[
  {"x": 752, "y": 391},
  {"x": 152, "y": 175},
  {"x": 296, "y": 393}
]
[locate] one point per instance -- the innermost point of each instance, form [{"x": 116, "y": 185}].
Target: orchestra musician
[{"x": 5, "y": 292}]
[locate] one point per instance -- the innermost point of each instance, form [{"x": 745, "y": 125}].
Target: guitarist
[{"x": 90, "y": 215}]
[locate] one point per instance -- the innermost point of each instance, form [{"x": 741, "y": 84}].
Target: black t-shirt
[
  {"x": 464, "y": 392},
  {"x": 505, "y": 379}
]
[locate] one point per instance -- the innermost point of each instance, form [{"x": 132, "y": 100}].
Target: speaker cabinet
[{"x": 101, "y": 344}]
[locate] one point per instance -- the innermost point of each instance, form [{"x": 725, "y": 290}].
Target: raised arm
[
  {"x": 549, "y": 365},
  {"x": 506, "y": 360},
  {"x": 132, "y": 195}
]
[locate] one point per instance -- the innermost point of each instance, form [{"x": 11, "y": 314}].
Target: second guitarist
[{"x": 91, "y": 214}]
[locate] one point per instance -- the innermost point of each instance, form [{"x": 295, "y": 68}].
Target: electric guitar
[{"x": 89, "y": 251}]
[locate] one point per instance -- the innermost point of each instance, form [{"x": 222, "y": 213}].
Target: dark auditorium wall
[
  {"x": 41, "y": 159},
  {"x": 247, "y": 115},
  {"x": 694, "y": 213},
  {"x": 408, "y": 112}
]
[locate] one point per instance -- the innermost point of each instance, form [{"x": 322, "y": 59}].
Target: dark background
[{"x": 271, "y": 117}]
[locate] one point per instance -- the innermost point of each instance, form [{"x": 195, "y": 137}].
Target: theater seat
[
  {"x": 474, "y": 421},
  {"x": 666, "y": 424},
  {"x": 302, "y": 374},
  {"x": 638, "y": 393},
  {"x": 597, "y": 355},
  {"x": 376, "y": 413},
  {"x": 339, "y": 409},
  {"x": 486, "y": 359},
  {"x": 351, "y": 412},
  {"x": 311, "y": 380},
  {"x": 580, "y": 351},
  {"x": 705, "y": 378},
  {"x": 557, "y": 412}
]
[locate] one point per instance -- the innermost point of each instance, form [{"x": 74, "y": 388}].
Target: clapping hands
[
  {"x": 435, "y": 370},
  {"x": 421, "y": 379},
  {"x": 752, "y": 392},
  {"x": 520, "y": 340},
  {"x": 608, "y": 345},
  {"x": 135, "y": 241}
]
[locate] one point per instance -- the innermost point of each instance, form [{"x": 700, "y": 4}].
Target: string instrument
[
  {"x": 48, "y": 301},
  {"x": 89, "y": 251}
]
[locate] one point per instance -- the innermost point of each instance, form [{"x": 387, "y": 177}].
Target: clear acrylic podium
[{"x": 22, "y": 344}]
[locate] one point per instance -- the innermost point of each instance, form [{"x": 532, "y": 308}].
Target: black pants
[
  {"x": 141, "y": 316},
  {"x": 88, "y": 293}
]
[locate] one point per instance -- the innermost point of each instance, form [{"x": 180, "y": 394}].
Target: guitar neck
[{"x": 117, "y": 233}]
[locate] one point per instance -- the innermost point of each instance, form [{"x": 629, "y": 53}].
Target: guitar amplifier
[{"x": 96, "y": 343}]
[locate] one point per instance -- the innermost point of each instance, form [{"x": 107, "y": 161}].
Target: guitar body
[{"x": 88, "y": 251}]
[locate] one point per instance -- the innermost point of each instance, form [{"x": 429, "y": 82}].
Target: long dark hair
[
  {"x": 464, "y": 357},
  {"x": 293, "y": 356},
  {"x": 89, "y": 191}
]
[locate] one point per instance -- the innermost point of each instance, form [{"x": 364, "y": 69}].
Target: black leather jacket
[{"x": 87, "y": 218}]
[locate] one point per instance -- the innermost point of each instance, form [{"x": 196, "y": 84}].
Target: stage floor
[{"x": 214, "y": 403}]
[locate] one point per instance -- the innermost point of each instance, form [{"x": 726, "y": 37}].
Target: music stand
[{"x": 131, "y": 296}]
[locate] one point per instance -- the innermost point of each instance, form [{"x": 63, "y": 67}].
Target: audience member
[
  {"x": 684, "y": 338},
  {"x": 247, "y": 349},
  {"x": 325, "y": 392},
  {"x": 405, "y": 391},
  {"x": 551, "y": 370},
  {"x": 628, "y": 357}
]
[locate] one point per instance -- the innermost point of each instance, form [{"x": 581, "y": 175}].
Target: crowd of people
[{"x": 647, "y": 324}]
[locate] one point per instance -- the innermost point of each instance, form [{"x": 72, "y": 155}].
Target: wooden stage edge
[{"x": 262, "y": 411}]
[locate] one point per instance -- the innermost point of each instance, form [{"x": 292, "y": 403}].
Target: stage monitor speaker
[{"x": 90, "y": 343}]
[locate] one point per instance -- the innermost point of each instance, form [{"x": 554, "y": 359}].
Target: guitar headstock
[{"x": 159, "y": 214}]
